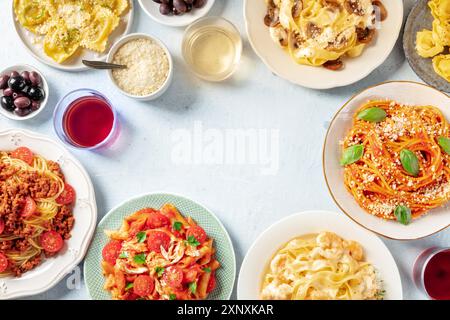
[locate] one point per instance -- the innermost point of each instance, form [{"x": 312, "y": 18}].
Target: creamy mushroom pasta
[
  {"x": 320, "y": 32},
  {"x": 320, "y": 267}
]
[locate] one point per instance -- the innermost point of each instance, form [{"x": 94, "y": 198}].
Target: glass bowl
[{"x": 62, "y": 108}]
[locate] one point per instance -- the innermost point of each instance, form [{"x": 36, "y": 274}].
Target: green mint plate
[{"x": 226, "y": 274}]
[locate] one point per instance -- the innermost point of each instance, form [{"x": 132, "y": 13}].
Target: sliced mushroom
[
  {"x": 294, "y": 40},
  {"x": 365, "y": 35},
  {"x": 272, "y": 17},
  {"x": 297, "y": 8},
  {"x": 312, "y": 30},
  {"x": 382, "y": 9},
  {"x": 332, "y": 4},
  {"x": 333, "y": 65},
  {"x": 353, "y": 6}
]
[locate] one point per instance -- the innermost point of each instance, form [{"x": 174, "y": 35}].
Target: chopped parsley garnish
[
  {"x": 172, "y": 296},
  {"x": 123, "y": 255},
  {"x": 139, "y": 258},
  {"x": 192, "y": 241},
  {"x": 129, "y": 286},
  {"x": 193, "y": 287},
  {"x": 207, "y": 270},
  {"x": 159, "y": 271},
  {"x": 177, "y": 225},
  {"x": 141, "y": 236}
]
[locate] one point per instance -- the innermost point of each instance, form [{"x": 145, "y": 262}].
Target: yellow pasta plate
[
  {"x": 276, "y": 236},
  {"x": 75, "y": 35}
]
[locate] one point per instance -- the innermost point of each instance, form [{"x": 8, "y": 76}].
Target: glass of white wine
[{"x": 212, "y": 48}]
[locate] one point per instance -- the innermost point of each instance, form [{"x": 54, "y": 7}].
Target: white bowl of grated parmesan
[{"x": 149, "y": 68}]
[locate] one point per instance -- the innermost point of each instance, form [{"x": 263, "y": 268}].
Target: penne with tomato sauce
[{"x": 159, "y": 255}]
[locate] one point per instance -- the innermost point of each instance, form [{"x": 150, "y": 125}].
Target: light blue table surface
[{"x": 246, "y": 200}]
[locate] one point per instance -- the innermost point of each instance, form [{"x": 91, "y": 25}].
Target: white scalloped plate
[
  {"x": 280, "y": 63},
  {"x": 74, "y": 63},
  {"x": 52, "y": 270}
]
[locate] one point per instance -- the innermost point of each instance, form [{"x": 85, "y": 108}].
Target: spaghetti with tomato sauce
[
  {"x": 35, "y": 210},
  {"x": 159, "y": 255},
  {"x": 396, "y": 159}
]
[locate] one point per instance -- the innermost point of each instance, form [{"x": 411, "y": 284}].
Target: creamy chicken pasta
[
  {"x": 321, "y": 267},
  {"x": 320, "y": 32}
]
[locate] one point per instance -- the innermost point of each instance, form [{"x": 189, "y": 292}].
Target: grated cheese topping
[{"x": 147, "y": 67}]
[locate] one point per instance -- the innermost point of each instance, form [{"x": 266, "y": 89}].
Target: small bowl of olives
[
  {"x": 176, "y": 13},
  {"x": 23, "y": 92}
]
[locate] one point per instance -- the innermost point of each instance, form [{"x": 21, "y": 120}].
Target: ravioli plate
[{"x": 34, "y": 43}]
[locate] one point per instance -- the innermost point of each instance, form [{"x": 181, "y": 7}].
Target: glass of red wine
[
  {"x": 85, "y": 119},
  {"x": 431, "y": 273}
]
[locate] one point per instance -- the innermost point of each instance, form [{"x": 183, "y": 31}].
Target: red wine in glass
[
  {"x": 432, "y": 273},
  {"x": 88, "y": 121}
]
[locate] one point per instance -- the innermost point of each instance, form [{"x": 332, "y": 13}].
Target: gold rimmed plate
[{"x": 408, "y": 93}]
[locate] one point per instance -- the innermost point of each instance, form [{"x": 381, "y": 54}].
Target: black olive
[
  {"x": 4, "y": 81},
  {"x": 36, "y": 93},
  {"x": 165, "y": 9},
  {"x": 17, "y": 83},
  {"x": 22, "y": 112},
  {"x": 180, "y": 6},
  {"x": 199, "y": 3},
  {"x": 7, "y": 103}
]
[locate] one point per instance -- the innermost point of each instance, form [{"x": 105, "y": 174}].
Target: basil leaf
[
  {"x": 139, "y": 258},
  {"x": 177, "y": 225},
  {"x": 129, "y": 286},
  {"x": 445, "y": 144},
  {"x": 352, "y": 154},
  {"x": 172, "y": 296},
  {"x": 207, "y": 270},
  {"x": 374, "y": 114},
  {"x": 159, "y": 271},
  {"x": 403, "y": 215},
  {"x": 409, "y": 162},
  {"x": 192, "y": 241},
  {"x": 193, "y": 287},
  {"x": 123, "y": 255},
  {"x": 141, "y": 236}
]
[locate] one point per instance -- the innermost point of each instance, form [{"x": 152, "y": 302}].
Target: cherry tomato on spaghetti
[
  {"x": 29, "y": 207},
  {"x": 3, "y": 262},
  {"x": 52, "y": 241},
  {"x": 2, "y": 226},
  {"x": 67, "y": 196},
  {"x": 24, "y": 154},
  {"x": 198, "y": 233},
  {"x": 157, "y": 220},
  {"x": 173, "y": 276},
  {"x": 143, "y": 285},
  {"x": 158, "y": 239},
  {"x": 111, "y": 251},
  {"x": 212, "y": 283}
]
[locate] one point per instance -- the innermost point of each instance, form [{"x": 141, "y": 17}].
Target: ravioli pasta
[
  {"x": 321, "y": 267},
  {"x": 69, "y": 25},
  {"x": 320, "y": 32},
  {"x": 432, "y": 43}
]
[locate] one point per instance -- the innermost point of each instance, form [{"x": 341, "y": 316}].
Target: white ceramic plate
[
  {"x": 151, "y": 8},
  {"x": 43, "y": 85},
  {"x": 52, "y": 270},
  {"x": 74, "y": 63},
  {"x": 279, "y": 62},
  {"x": 409, "y": 93},
  {"x": 267, "y": 244}
]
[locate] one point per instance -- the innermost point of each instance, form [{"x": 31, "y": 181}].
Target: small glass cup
[
  {"x": 422, "y": 264},
  {"x": 63, "y": 106},
  {"x": 212, "y": 48}
]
